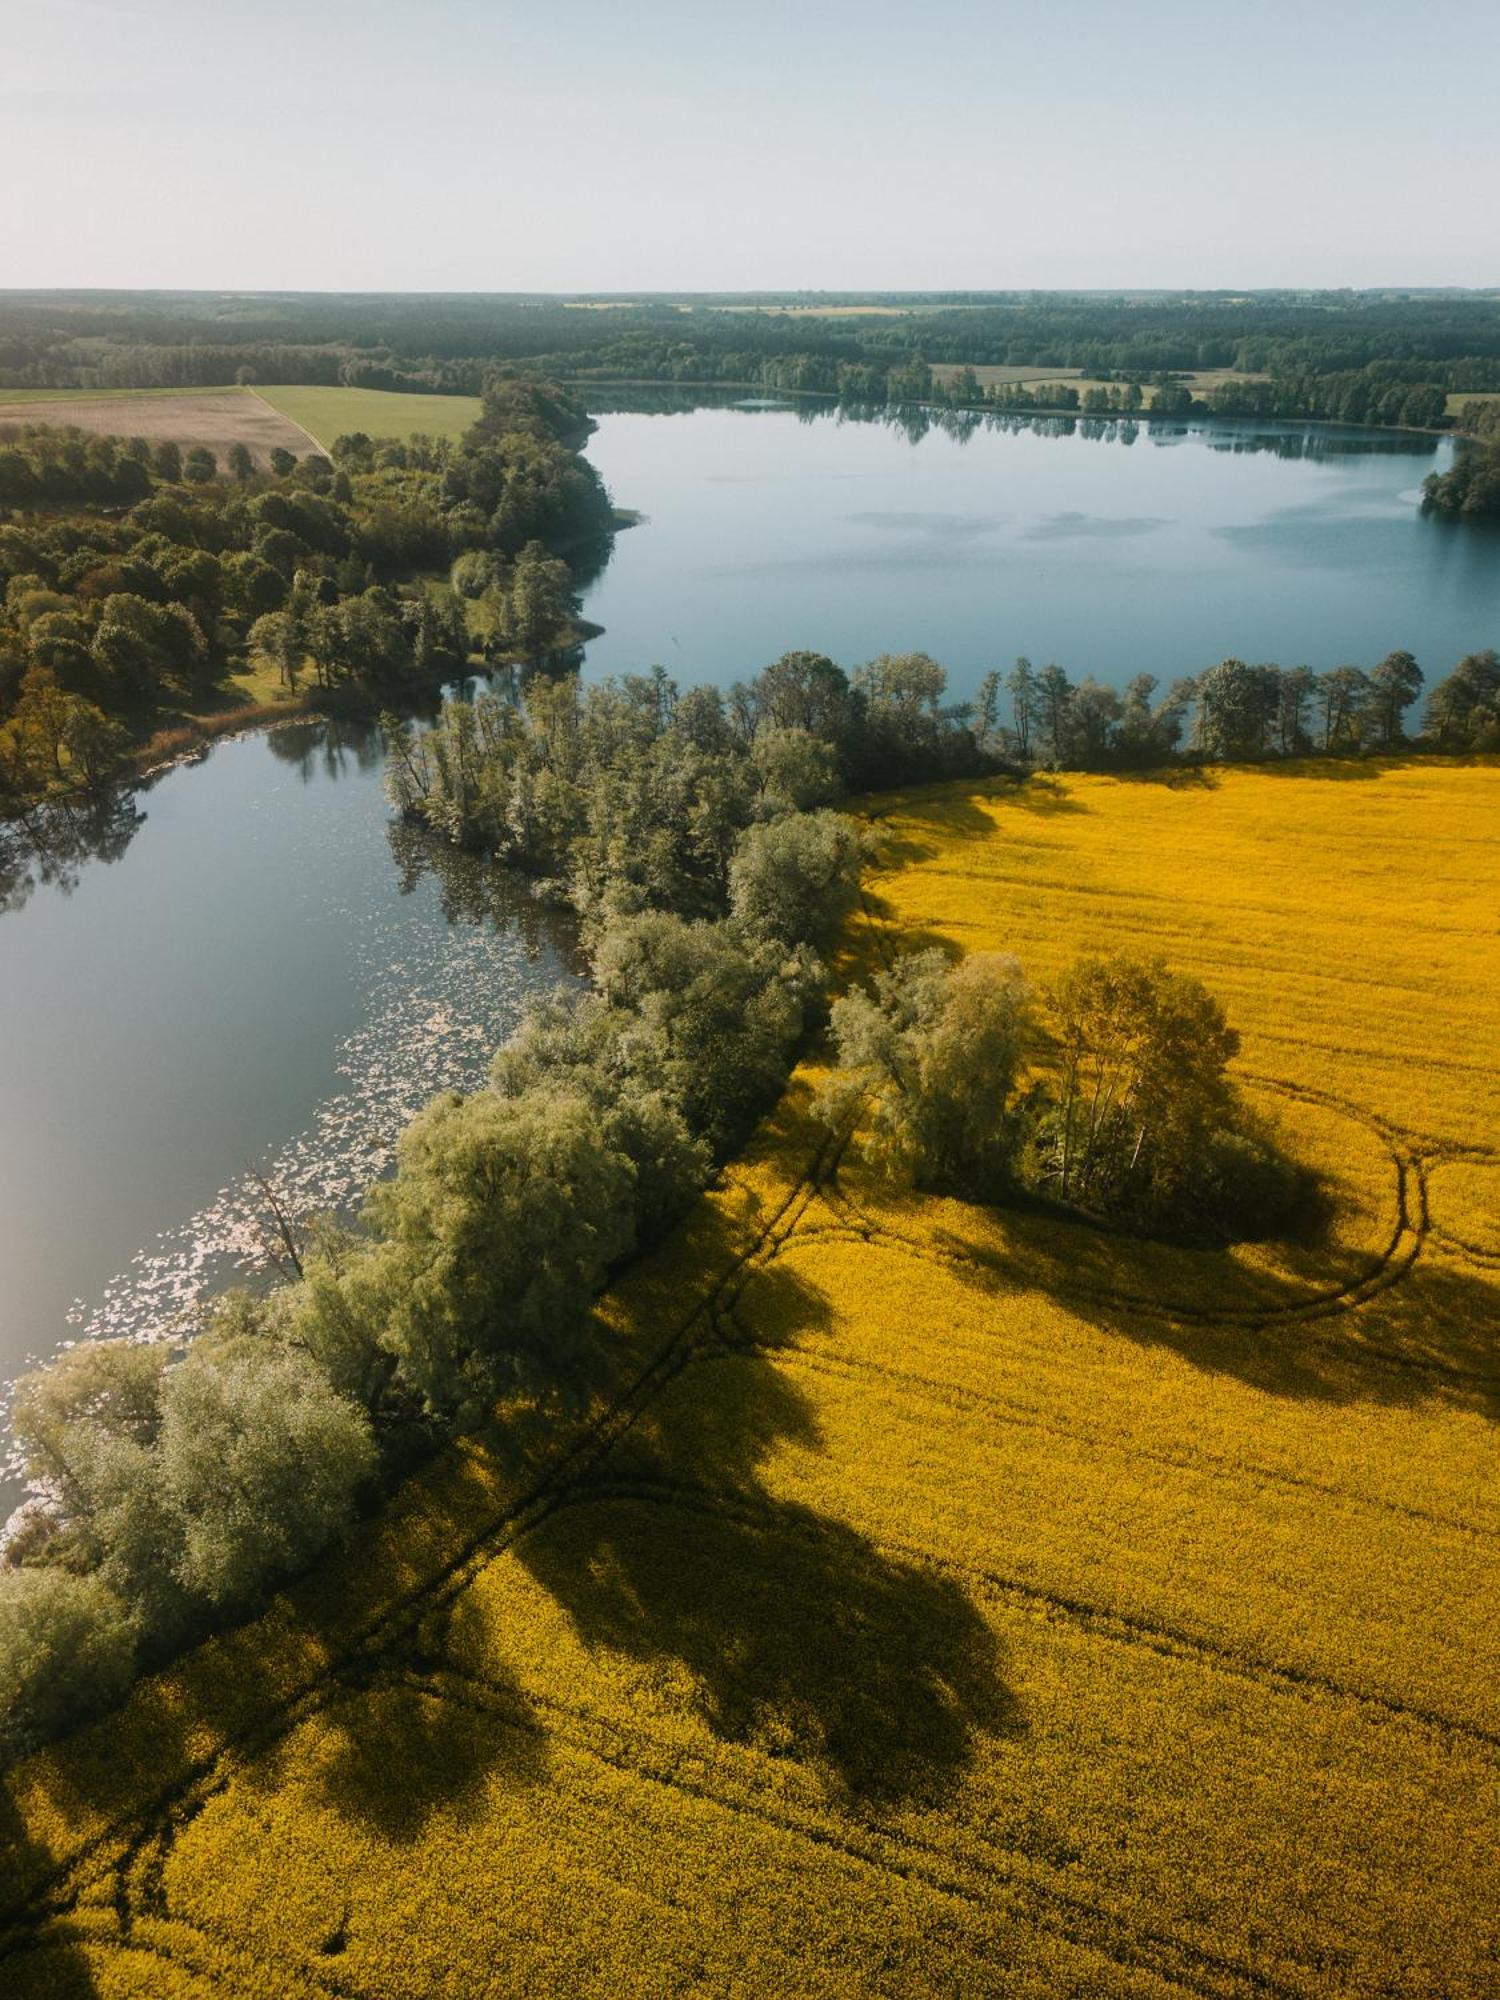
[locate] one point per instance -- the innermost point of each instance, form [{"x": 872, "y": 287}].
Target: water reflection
[
  {"x": 1284, "y": 438},
  {"x": 273, "y": 981},
  {"x": 472, "y": 889},
  {"x": 335, "y": 747},
  {"x": 50, "y": 846}
]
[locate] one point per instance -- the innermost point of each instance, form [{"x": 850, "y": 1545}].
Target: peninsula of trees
[{"x": 134, "y": 580}]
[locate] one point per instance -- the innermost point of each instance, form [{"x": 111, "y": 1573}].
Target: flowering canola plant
[{"x": 929, "y": 1599}]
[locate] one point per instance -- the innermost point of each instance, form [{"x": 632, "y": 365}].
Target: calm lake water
[
  {"x": 268, "y": 976},
  {"x": 1114, "y": 549},
  {"x": 247, "y": 967}
]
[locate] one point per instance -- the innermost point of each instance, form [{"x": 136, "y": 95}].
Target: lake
[
  {"x": 1112, "y": 548},
  {"x": 267, "y": 976},
  {"x": 245, "y": 966}
]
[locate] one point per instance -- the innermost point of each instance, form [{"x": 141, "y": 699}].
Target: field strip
[
  {"x": 1196, "y": 1970},
  {"x": 1014, "y": 1413},
  {"x": 1111, "y": 896},
  {"x": 581, "y": 1728},
  {"x": 1118, "y": 1627}
]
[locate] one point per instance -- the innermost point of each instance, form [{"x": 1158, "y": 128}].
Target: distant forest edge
[{"x": 1380, "y": 358}]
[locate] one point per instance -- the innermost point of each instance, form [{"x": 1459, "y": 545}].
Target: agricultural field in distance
[
  {"x": 217, "y": 418},
  {"x": 931, "y": 1599},
  {"x": 1202, "y": 381},
  {"x": 380, "y": 413}
]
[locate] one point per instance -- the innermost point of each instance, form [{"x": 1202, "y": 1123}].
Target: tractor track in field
[{"x": 1080, "y": 1922}]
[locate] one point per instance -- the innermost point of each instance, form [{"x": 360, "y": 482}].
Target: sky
[{"x": 595, "y": 145}]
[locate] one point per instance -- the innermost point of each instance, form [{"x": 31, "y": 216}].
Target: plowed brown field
[{"x": 226, "y": 417}]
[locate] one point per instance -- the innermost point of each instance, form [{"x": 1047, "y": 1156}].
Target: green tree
[
  {"x": 1294, "y": 692},
  {"x": 702, "y": 1013},
  {"x": 96, "y": 747},
  {"x": 273, "y": 641},
  {"x": 1394, "y": 685},
  {"x": 1024, "y": 689},
  {"x": 797, "y": 772},
  {"x": 1236, "y": 708},
  {"x": 1055, "y": 714},
  {"x": 1342, "y": 695},
  {"x": 261, "y": 1460},
  {"x": 500, "y": 1225},
  {"x": 987, "y": 707},
  {"x": 1463, "y": 711},
  {"x": 796, "y": 879},
  {"x": 67, "y": 1652},
  {"x": 538, "y": 603},
  {"x": 1142, "y": 1086},
  {"x": 935, "y": 1057},
  {"x": 112, "y": 1385}
]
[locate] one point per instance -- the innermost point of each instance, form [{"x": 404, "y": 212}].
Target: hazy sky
[{"x": 615, "y": 144}]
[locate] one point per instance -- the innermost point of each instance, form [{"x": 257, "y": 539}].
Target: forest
[
  {"x": 1360, "y": 357},
  {"x": 137, "y": 579}
]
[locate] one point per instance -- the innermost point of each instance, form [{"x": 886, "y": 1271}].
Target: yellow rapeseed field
[{"x": 932, "y": 1600}]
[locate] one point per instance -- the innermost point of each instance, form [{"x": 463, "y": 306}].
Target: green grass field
[{"x": 331, "y": 413}]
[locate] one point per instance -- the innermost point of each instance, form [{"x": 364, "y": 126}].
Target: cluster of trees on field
[
  {"x": 1234, "y": 712},
  {"x": 133, "y": 579},
  {"x": 1110, "y": 1095},
  {"x": 1376, "y": 358}
]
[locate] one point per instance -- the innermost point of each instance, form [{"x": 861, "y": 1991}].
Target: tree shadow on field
[
  {"x": 927, "y": 821},
  {"x": 34, "y": 1961},
  {"x": 1324, "y": 765},
  {"x": 782, "y": 1627},
  {"x": 1173, "y": 777},
  {"x": 417, "y": 1723},
  {"x": 407, "y": 1746},
  {"x": 1404, "y": 1334}
]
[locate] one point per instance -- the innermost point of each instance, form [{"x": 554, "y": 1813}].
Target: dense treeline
[
  {"x": 135, "y": 577},
  {"x": 1235, "y": 712},
  {"x": 1357, "y": 357},
  {"x": 696, "y": 838},
  {"x": 631, "y": 789}
]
